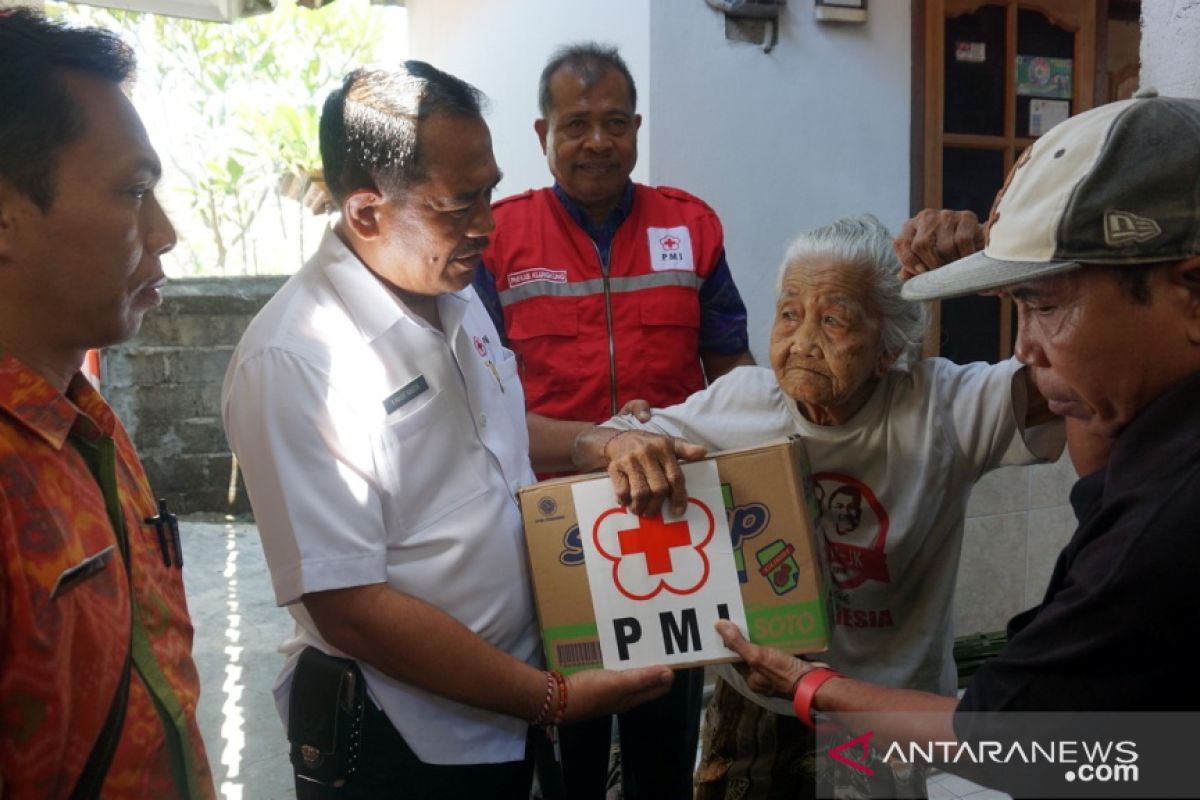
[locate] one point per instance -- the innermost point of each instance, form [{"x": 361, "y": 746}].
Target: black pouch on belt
[{"x": 325, "y": 711}]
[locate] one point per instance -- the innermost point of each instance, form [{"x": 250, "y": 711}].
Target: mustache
[{"x": 474, "y": 252}]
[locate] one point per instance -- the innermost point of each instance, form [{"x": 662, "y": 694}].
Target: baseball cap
[{"x": 1118, "y": 184}]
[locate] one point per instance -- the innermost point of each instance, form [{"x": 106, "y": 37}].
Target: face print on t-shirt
[{"x": 855, "y": 527}]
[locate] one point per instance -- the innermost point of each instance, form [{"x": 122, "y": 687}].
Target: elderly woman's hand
[
  {"x": 768, "y": 671},
  {"x": 935, "y": 237},
  {"x": 645, "y": 472}
]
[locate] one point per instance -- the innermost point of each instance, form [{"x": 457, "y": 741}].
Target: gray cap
[{"x": 1119, "y": 184}]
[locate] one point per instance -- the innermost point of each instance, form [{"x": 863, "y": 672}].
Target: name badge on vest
[
  {"x": 411, "y": 390},
  {"x": 670, "y": 248}
]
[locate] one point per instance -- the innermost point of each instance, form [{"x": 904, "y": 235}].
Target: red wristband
[{"x": 806, "y": 690}]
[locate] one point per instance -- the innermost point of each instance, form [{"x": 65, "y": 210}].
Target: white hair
[{"x": 865, "y": 243}]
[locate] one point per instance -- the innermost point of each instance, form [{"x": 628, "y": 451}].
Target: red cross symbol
[
  {"x": 669, "y": 242},
  {"x": 655, "y": 538}
]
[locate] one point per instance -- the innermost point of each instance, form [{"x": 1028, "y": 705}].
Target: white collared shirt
[{"x": 376, "y": 448}]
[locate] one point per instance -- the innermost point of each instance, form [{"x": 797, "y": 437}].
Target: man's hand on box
[
  {"x": 602, "y": 691},
  {"x": 935, "y": 237},
  {"x": 645, "y": 472}
]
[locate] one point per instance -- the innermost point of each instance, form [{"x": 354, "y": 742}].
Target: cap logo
[
  {"x": 1122, "y": 228},
  {"x": 994, "y": 214}
]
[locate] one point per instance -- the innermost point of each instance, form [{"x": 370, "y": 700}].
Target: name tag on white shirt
[{"x": 411, "y": 390}]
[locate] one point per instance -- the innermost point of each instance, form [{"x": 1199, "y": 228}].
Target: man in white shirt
[{"x": 380, "y": 427}]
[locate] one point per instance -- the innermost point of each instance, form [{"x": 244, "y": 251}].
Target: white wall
[
  {"x": 783, "y": 141},
  {"x": 1170, "y": 56},
  {"x": 500, "y": 46}
]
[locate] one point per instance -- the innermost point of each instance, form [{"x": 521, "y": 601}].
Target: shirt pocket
[
  {"x": 669, "y": 351},
  {"x": 430, "y": 464},
  {"x": 670, "y": 306},
  {"x": 516, "y": 451},
  {"x": 544, "y": 334}
]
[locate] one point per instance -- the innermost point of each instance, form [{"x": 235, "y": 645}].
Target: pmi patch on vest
[
  {"x": 670, "y": 249},
  {"x": 537, "y": 275}
]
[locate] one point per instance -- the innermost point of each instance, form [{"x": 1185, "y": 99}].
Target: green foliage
[{"x": 240, "y": 104}]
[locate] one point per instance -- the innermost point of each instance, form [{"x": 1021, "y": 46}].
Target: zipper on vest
[{"x": 612, "y": 344}]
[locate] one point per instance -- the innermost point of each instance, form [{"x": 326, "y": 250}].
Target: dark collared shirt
[{"x": 1116, "y": 629}]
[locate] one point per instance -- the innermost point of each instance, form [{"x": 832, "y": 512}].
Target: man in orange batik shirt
[{"x": 98, "y": 690}]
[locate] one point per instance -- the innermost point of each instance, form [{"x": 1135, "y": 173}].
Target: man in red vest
[{"x": 610, "y": 291}]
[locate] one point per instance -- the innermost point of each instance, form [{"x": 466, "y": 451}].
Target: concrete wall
[
  {"x": 1170, "y": 55},
  {"x": 784, "y": 141},
  {"x": 166, "y": 386},
  {"x": 1017, "y": 522}
]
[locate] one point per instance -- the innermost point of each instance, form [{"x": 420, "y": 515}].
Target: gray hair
[
  {"x": 589, "y": 61},
  {"x": 865, "y": 243}
]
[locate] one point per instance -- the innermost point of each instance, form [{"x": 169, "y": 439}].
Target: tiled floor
[
  {"x": 238, "y": 628},
  {"x": 944, "y": 786}
]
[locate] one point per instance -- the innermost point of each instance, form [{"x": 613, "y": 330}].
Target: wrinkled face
[
  {"x": 826, "y": 347},
  {"x": 432, "y": 236},
  {"x": 87, "y": 269},
  {"x": 590, "y": 138},
  {"x": 1098, "y": 355}
]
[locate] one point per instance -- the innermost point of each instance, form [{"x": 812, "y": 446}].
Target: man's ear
[
  {"x": 541, "y": 127},
  {"x": 637, "y": 122},
  {"x": 361, "y": 213},
  {"x": 1185, "y": 279}
]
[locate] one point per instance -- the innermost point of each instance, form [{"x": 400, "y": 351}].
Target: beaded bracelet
[
  {"x": 561, "y": 710},
  {"x": 541, "y": 717}
]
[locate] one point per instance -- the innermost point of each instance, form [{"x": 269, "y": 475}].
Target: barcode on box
[{"x": 578, "y": 654}]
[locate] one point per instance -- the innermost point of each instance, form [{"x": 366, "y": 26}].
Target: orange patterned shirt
[{"x": 64, "y": 633}]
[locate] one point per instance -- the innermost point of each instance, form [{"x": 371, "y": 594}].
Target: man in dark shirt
[{"x": 1096, "y": 237}]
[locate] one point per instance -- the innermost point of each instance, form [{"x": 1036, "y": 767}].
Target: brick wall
[{"x": 166, "y": 386}]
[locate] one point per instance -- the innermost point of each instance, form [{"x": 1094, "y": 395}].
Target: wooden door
[{"x": 997, "y": 74}]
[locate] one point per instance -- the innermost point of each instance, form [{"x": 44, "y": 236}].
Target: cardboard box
[{"x": 661, "y": 583}]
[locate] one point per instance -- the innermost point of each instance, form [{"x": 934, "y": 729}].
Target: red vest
[{"x": 589, "y": 340}]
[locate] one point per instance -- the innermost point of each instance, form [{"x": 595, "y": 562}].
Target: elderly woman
[{"x": 896, "y": 445}]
